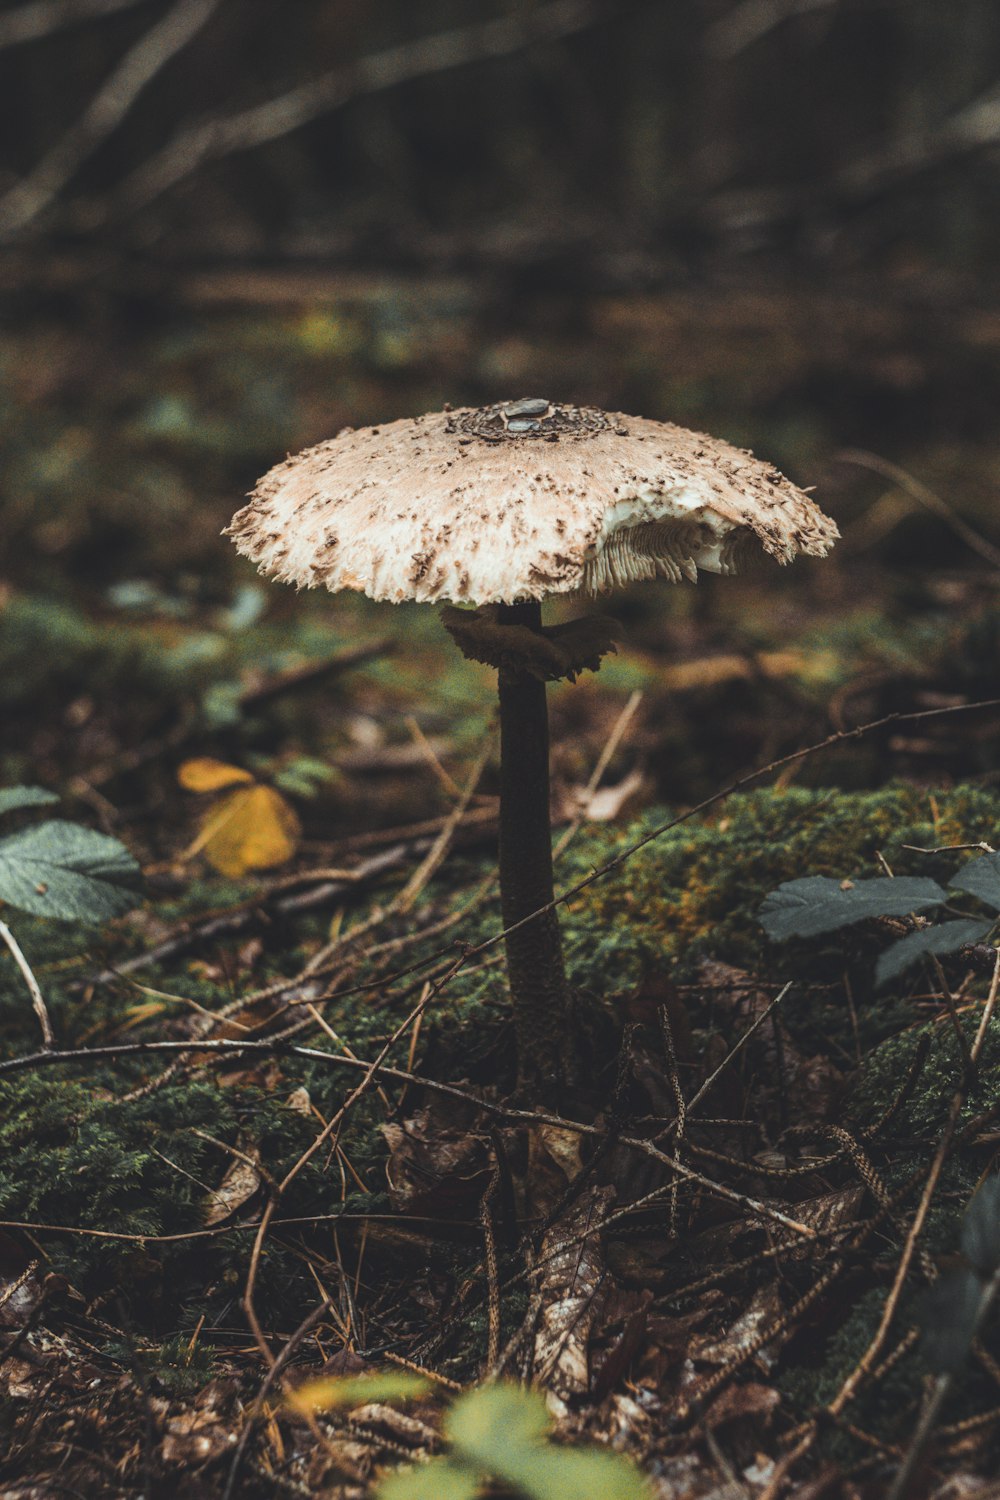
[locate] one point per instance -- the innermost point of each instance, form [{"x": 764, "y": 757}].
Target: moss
[
  {"x": 73, "y": 1152},
  {"x": 697, "y": 888}
]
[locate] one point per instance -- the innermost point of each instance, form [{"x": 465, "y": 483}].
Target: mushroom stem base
[{"x": 539, "y": 991}]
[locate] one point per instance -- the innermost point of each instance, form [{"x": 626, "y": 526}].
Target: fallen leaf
[
  {"x": 253, "y": 828},
  {"x": 234, "y": 1191},
  {"x": 738, "y": 1402},
  {"x": 204, "y": 774},
  {"x": 572, "y": 1271},
  {"x": 434, "y": 1168}
]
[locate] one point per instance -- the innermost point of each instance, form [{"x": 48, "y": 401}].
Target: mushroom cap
[{"x": 518, "y": 501}]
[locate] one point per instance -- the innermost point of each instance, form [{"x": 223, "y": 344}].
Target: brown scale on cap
[{"x": 563, "y": 498}]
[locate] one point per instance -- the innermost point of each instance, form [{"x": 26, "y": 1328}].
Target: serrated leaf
[
  {"x": 205, "y": 774},
  {"x": 944, "y": 937},
  {"x": 818, "y": 903},
  {"x": 981, "y": 878},
  {"x": 61, "y": 870},
  {"x": 253, "y": 828},
  {"x": 981, "y": 1228},
  {"x": 949, "y": 1314},
  {"x": 13, "y": 797},
  {"x": 354, "y": 1390},
  {"x": 439, "y": 1480}
]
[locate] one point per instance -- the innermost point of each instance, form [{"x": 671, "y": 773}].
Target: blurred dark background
[
  {"x": 626, "y": 141},
  {"x": 227, "y": 229}
]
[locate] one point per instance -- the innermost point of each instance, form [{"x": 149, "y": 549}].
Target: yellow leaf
[
  {"x": 203, "y": 774},
  {"x": 252, "y": 829},
  {"x": 355, "y": 1390}
]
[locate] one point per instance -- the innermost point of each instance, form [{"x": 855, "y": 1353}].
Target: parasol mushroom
[{"x": 499, "y": 507}]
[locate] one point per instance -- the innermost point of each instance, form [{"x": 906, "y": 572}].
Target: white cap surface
[{"x": 518, "y": 501}]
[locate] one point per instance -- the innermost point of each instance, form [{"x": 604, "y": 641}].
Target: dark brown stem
[{"x": 539, "y": 991}]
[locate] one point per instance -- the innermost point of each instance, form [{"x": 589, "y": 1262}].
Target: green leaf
[
  {"x": 818, "y": 903},
  {"x": 949, "y": 1315},
  {"x": 571, "y": 1473},
  {"x": 945, "y": 937},
  {"x": 502, "y": 1429},
  {"x": 981, "y": 1228},
  {"x": 439, "y": 1480},
  {"x": 61, "y": 870},
  {"x": 13, "y": 797},
  {"x": 485, "y": 1424},
  {"x": 981, "y": 878}
]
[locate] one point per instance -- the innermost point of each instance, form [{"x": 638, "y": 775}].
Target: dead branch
[
  {"x": 975, "y": 127},
  {"x": 36, "y": 192},
  {"x": 246, "y": 129},
  {"x": 925, "y": 497},
  {"x": 37, "y": 998},
  {"x": 747, "y": 22},
  {"x": 245, "y": 918},
  {"x": 41, "y": 18}
]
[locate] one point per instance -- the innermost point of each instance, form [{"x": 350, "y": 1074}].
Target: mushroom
[{"x": 500, "y": 507}]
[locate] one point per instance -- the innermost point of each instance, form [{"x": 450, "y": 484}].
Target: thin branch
[
  {"x": 865, "y": 1364},
  {"x": 751, "y": 20},
  {"x": 942, "y": 1388},
  {"x": 248, "y": 128},
  {"x": 975, "y": 127},
  {"x": 37, "y": 998},
  {"x": 924, "y": 496},
  {"x": 26, "y": 23},
  {"x": 23, "y": 204}
]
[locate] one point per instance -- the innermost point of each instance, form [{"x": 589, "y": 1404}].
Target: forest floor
[{"x": 770, "y": 1165}]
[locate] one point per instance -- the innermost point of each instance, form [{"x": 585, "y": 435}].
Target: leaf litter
[{"x": 707, "y": 1304}]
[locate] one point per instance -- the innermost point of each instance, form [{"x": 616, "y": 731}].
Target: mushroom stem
[{"x": 539, "y": 991}]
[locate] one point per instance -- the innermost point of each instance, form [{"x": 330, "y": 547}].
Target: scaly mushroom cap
[{"x": 517, "y": 501}]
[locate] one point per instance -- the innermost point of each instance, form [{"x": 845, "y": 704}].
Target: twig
[
  {"x": 248, "y": 128},
  {"x": 490, "y": 1253},
  {"x": 680, "y": 1104},
  {"x": 37, "y": 998},
  {"x": 38, "y": 18},
  {"x": 248, "y": 916},
  {"x": 22, "y": 204},
  {"x": 738, "y": 1046},
  {"x": 872, "y": 1353},
  {"x": 315, "y": 671},
  {"x": 305, "y": 1327},
  {"x": 927, "y": 498},
  {"x": 942, "y": 1386},
  {"x": 983, "y": 847},
  {"x": 594, "y": 780},
  {"x": 407, "y": 897}
]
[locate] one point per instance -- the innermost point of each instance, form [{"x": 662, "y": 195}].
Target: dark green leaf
[
  {"x": 944, "y": 937},
  {"x": 981, "y": 878},
  {"x": 818, "y": 903},
  {"x": 949, "y": 1314},
  {"x": 13, "y": 797},
  {"x": 61, "y": 870},
  {"x": 981, "y": 1228}
]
